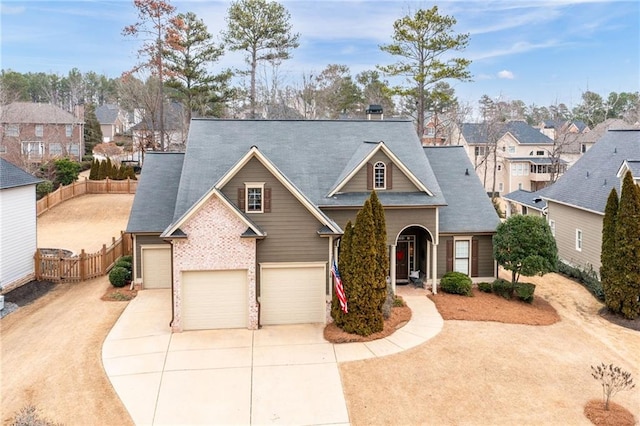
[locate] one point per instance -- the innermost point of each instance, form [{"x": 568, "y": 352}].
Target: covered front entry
[
  {"x": 292, "y": 293},
  {"x": 412, "y": 255},
  {"x": 214, "y": 299}
]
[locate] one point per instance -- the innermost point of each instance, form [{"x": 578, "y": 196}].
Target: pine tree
[
  {"x": 93, "y": 174},
  {"x": 608, "y": 258},
  {"x": 92, "y": 130},
  {"x": 344, "y": 265},
  {"x": 102, "y": 170},
  {"x": 628, "y": 250},
  {"x": 108, "y": 169},
  {"x": 382, "y": 257}
]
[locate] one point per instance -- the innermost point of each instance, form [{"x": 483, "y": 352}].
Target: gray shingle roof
[
  {"x": 634, "y": 167},
  {"x": 311, "y": 154},
  {"x": 477, "y": 133},
  {"x": 154, "y": 203},
  {"x": 12, "y": 176},
  {"x": 107, "y": 114},
  {"x": 530, "y": 199},
  {"x": 29, "y": 112},
  {"x": 469, "y": 208},
  {"x": 589, "y": 181}
]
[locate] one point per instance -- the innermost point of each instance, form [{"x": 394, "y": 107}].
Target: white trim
[
  {"x": 200, "y": 203},
  {"x": 254, "y": 152},
  {"x": 552, "y": 226},
  {"x": 579, "y": 239},
  {"x": 571, "y": 205},
  {"x": 384, "y": 175},
  {"x": 467, "y": 239},
  {"x": 395, "y": 160},
  {"x": 247, "y": 187}
]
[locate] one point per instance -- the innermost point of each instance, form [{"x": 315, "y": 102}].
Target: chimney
[
  {"x": 374, "y": 112},
  {"x": 78, "y": 111}
]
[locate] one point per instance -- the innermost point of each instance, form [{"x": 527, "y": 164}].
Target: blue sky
[{"x": 540, "y": 51}]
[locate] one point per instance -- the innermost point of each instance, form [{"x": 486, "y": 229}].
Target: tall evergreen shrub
[{"x": 608, "y": 258}]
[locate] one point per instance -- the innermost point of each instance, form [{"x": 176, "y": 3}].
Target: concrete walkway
[{"x": 275, "y": 375}]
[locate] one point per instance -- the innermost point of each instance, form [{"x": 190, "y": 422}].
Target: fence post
[
  {"x": 103, "y": 266},
  {"x": 37, "y": 264},
  {"x": 128, "y": 185},
  {"x": 83, "y": 265},
  {"x": 108, "y": 187}
]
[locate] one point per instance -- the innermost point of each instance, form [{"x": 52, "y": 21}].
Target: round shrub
[
  {"x": 124, "y": 264},
  {"x": 484, "y": 287},
  {"x": 118, "y": 276},
  {"x": 43, "y": 188},
  {"x": 456, "y": 283},
  {"x": 127, "y": 258},
  {"x": 524, "y": 291},
  {"x": 503, "y": 288}
]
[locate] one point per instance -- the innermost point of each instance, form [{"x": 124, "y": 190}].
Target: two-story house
[
  {"x": 509, "y": 156},
  {"x": 244, "y": 225},
  {"x": 112, "y": 121},
  {"x": 34, "y": 132}
]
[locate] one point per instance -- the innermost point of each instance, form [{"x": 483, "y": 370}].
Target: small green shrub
[
  {"x": 123, "y": 263},
  {"x": 118, "y": 276},
  {"x": 398, "y": 302},
  {"x": 503, "y": 288},
  {"x": 588, "y": 278},
  {"x": 524, "y": 291},
  {"x": 43, "y": 188},
  {"x": 128, "y": 258},
  {"x": 484, "y": 287},
  {"x": 456, "y": 283}
]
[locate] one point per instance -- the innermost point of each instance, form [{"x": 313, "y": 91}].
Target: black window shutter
[
  {"x": 474, "y": 257},
  {"x": 449, "y": 255}
]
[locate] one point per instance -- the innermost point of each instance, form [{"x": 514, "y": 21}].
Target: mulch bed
[
  {"x": 398, "y": 318},
  {"x": 29, "y": 292},
  {"x": 119, "y": 294},
  {"x": 617, "y": 415},
  {"x": 491, "y": 307}
]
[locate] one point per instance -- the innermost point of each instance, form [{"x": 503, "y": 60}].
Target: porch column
[
  {"x": 392, "y": 266},
  {"x": 434, "y": 268}
]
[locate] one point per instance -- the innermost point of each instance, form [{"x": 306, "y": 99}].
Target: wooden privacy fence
[
  {"x": 74, "y": 268},
  {"x": 86, "y": 186}
]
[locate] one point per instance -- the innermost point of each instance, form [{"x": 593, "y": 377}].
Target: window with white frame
[
  {"x": 74, "y": 149},
  {"x": 379, "y": 173},
  {"x": 254, "y": 197},
  {"x": 32, "y": 149},
  {"x": 69, "y": 130},
  {"x": 579, "y": 239},
  {"x": 512, "y": 149},
  {"x": 39, "y": 130},
  {"x": 55, "y": 149},
  {"x": 500, "y": 186},
  {"x": 462, "y": 255},
  {"x": 12, "y": 130},
  {"x": 552, "y": 225}
]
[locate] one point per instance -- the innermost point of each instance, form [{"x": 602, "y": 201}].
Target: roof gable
[
  {"x": 358, "y": 162},
  {"x": 523, "y": 133},
  {"x": 12, "y": 176},
  {"x": 36, "y": 113}
]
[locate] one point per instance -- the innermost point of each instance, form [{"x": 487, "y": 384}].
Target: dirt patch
[
  {"x": 619, "y": 320},
  {"x": 119, "y": 294},
  {"x": 28, "y": 293},
  {"x": 491, "y": 307},
  {"x": 399, "y": 317},
  {"x": 615, "y": 416}
]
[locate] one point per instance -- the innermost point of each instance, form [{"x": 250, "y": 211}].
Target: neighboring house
[
  {"x": 35, "y": 132},
  {"x": 147, "y": 136},
  {"x": 525, "y": 202},
  {"x": 576, "y": 202},
  {"x": 112, "y": 121},
  {"x": 434, "y": 132},
  {"x": 552, "y": 128},
  {"x": 519, "y": 155},
  {"x": 17, "y": 225},
  {"x": 245, "y": 224}
]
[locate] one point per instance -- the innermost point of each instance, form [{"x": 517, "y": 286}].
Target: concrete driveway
[{"x": 275, "y": 375}]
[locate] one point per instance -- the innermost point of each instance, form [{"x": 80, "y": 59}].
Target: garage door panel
[
  {"x": 292, "y": 295},
  {"x": 214, "y": 299},
  {"x": 156, "y": 268}
]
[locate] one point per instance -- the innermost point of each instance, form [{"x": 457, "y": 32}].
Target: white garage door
[
  {"x": 214, "y": 299},
  {"x": 156, "y": 267},
  {"x": 292, "y": 294}
]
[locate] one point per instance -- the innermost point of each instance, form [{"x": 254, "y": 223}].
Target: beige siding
[
  {"x": 567, "y": 220},
  {"x": 292, "y": 231},
  {"x": 396, "y": 219},
  {"x": 143, "y": 240},
  {"x": 400, "y": 182}
]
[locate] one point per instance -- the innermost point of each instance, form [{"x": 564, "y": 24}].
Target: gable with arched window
[{"x": 379, "y": 175}]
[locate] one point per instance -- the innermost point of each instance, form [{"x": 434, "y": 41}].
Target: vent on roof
[
  {"x": 587, "y": 175},
  {"x": 466, "y": 172}
]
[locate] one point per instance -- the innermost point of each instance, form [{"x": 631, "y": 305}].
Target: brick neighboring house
[{"x": 32, "y": 133}]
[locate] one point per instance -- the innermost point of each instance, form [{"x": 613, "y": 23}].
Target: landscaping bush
[
  {"x": 456, "y": 283},
  {"x": 484, "y": 287},
  {"x": 118, "y": 276},
  {"x": 398, "y": 302},
  {"x": 43, "y": 188},
  {"x": 524, "y": 291},
  {"x": 502, "y": 288},
  {"x": 588, "y": 278},
  {"x": 128, "y": 258},
  {"x": 123, "y": 263}
]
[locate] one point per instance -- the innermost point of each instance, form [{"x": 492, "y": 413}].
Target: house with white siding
[{"x": 17, "y": 225}]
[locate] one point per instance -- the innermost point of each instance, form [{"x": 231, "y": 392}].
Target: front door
[{"x": 402, "y": 261}]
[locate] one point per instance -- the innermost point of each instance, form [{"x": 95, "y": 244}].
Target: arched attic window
[{"x": 379, "y": 175}]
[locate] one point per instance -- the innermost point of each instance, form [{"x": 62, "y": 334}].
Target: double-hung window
[
  {"x": 462, "y": 255},
  {"x": 579, "y": 239},
  {"x": 255, "y": 198},
  {"x": 379, "y": 175},
  {"x": 39, "y": 130}
]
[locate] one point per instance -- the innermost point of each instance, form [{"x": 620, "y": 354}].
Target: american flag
[{"x": 339, "y": 288}]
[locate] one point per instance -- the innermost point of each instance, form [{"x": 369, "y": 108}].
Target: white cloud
[{"x": 506, "y": 75}]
